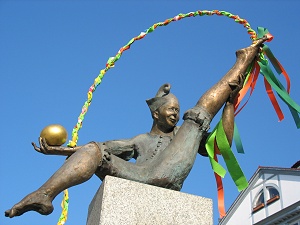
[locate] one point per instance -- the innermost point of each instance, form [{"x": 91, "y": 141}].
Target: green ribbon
[
  {"x": 217, "y": 168},
  {"x": 232, "y": 165},
  {"x": 266, "y": 71},
  {"x": 237, "y": 140},
  {"x": 261, "y": 31}
]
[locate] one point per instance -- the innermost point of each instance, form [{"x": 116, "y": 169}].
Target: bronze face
[{"x": 167, "y": 115}]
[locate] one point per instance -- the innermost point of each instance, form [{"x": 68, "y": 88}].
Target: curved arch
[
  {"x": 267, "y": 195},
  {"x": 259, "y": 201},
  {"x": 111, "y": 61}
]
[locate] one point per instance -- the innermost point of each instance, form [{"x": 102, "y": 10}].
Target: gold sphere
[{"x": 55, "y": 135}]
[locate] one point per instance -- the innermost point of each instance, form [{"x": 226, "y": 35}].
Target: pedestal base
[{"x": 124, "y": 202}]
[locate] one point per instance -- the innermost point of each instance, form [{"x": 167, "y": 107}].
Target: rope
[
  {"x": 65, "y": 206},
  {"x": 112, "y": 60}
]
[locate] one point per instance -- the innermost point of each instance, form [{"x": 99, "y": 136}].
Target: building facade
[{"x": 273, "y": 197}]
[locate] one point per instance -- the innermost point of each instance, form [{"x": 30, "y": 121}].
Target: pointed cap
[{"x": 162, "y": 96}]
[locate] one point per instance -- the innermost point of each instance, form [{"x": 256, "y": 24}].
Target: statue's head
[{"x": 164, "y": 107}]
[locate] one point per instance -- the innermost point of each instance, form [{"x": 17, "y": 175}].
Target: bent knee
[
  {"x": 200, "y": 116},
  {"x": 92, "y": 148}
]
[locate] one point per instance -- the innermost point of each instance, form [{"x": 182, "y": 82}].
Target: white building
[{"x": 273, "y": 197}]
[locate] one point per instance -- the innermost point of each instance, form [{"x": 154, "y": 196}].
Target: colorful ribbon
[
  {"x": 65, "y": 206},
  {"x": 217, "y": 141},
  {"x": 112, "y": 60},
  {"x": 272, "y": 82}
]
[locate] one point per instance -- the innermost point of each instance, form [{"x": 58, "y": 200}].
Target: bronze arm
[{"x": 53, "y": 150}]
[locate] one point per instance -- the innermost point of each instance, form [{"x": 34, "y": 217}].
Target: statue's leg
[
  {"x": 216, "y": 96},
  {"x": 176, "y": 161},
  {"x": 77, "y": 169}
]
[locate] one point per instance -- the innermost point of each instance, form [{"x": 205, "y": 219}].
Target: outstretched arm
[
  {"x": 53, "y": 150},
  {"x": 228, "y": 111},
  {"x": 124, "y": 149},
  {"x": 228, "y": 121}
]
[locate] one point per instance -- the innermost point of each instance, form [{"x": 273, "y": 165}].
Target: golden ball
[{"x": 55, "y": 135}]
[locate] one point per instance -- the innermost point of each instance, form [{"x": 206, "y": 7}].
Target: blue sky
[{"x": 51, "y": 52}]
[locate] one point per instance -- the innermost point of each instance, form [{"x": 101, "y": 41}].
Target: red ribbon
[
  {"x": 251, "y": 82},
  {"x": 273, "y": 100}
]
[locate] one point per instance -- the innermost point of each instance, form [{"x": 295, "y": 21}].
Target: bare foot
[
  {"x": 36, "y": 201},
  {"x": 252, "y": 51}
]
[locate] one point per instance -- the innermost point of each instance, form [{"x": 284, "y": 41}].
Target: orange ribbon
[{"x": 221, "y": 202}]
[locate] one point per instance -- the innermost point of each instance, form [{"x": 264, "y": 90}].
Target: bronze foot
[
  {"x": 37, "y": 201},
  {"x": 249, "y": 53}
]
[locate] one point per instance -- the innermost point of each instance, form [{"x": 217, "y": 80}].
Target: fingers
[
  {"x": 237, "y": 85},
  {"x": 6, "y": 213},
  {"x": 36, "y": 147},
  {"x": 11, "y": 213},
  {"x": 107, "y": 156},
  {"x": 44, "y": 148},
  {"x": 43, "y": 143}
]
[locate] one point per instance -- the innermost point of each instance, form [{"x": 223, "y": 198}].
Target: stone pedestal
[{"x": 124, "y": 202}]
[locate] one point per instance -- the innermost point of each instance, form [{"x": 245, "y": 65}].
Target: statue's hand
[
  {"x": 44, "y": 147},
  {"x": 53, "y": 150},
  {"x": 235, "y": 86}
]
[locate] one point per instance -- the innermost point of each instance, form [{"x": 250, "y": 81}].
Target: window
[
  {"x": 297, "y": 222},
  {"x": 259, "y": 201},
  {"x": 273, "y": 195},
  {"x": 270, "y": 193}
]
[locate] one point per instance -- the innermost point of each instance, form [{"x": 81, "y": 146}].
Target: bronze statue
[{"x": 164, "y": 157}]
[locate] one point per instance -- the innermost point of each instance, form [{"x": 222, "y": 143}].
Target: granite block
[{"x": 123, "y": 202}]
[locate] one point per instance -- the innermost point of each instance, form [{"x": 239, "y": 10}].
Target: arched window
[
  {"x": 259, "y": 201},
  {"x": 270, "y": 193},
  {"x": 273, "y": 194}
]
